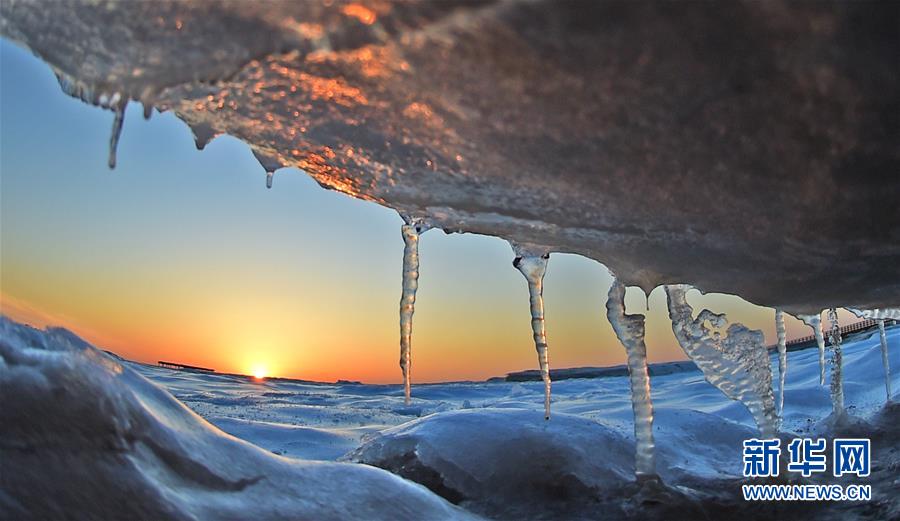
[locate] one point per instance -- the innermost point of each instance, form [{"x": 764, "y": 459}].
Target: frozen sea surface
[
  {"x": 325, "y": 421},
  {"x": 84, "y": 435}
]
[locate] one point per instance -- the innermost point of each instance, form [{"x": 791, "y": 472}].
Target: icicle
[
  {"x": 269, "y": 178},
  {"x": 411, "y": 230},
  {"x": 736, "y": 363},
  {"x": 782, "y": 358},
  {"x": 884, "y": 360},
  {"x": 630, "y": 331},
  {"x": 148, "y": 109},
  {"x": 204, "y": 133},
  {"x": 533, "y": 268},
  {"x": 837, "y": 365},
  {"x": 880, "y": 315},
  {"x": 118, "y": 121},
  {"x": 815, "y": 323}
]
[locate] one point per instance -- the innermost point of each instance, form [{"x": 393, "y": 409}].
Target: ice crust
[{"x": 85, "y": 435}]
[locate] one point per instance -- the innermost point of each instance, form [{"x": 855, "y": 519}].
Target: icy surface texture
[
  {"x": 630, "y": 332},
  {"x": 736, "y": 362},
  {"x": 877, "y": 314},
  {"x": 837, "y": 365},
  {"x": 815, "y": 323},
  {"x": 410, "y": 230},
  {"x": 533, "y": 267},
  {"x": 595, "y": 129},
  {"x": 84, "y": 434},
  {"x": 782, "y": 356}
]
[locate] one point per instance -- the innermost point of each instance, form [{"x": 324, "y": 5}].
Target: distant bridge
[{"x": 862, "y": 325}]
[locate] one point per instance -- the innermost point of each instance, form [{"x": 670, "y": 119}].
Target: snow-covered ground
[{"x": 83, "y": 432}]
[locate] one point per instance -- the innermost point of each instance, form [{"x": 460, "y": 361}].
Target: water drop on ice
[
  {"x": 630, "y": 331},
  {"x": 737, "y": 363},
  {"x": 410, "y": 230},
  {"x": 837, "y": 365},
  {"x": 116, "y": 131},
  {"x": 269, "y": 178},
  {"x": 533, "y": 268},
  {"x": 815, "y": 323},
  {"x": 782, "y": 357}
]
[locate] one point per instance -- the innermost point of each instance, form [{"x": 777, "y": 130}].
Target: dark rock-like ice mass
[{"x": 746, "y": 147}]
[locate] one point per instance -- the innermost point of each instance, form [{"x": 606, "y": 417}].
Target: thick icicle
[
  {"x": 533, "y": 268},
  {"x": 736, "y": 363},
  {"x": 884, "y": 359},
  {"x": 630, "y": 331},
  {"x": 815, "y": 323},
  {"x": 837, "y": 365},
  {"x": 410, "y": 230},
  {"x": 782, "y": 357},
  {"x": 118, "y": 121}
]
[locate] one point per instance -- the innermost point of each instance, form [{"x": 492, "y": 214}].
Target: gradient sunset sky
[{"x": 186, "y": 256}]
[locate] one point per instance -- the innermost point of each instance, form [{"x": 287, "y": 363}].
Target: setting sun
[{"x": 259, "y": 372}]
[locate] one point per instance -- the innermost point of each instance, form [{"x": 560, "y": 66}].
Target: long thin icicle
[
  {"x": 630, "y": 331},
  {"x": 737, "y": 363},
  {"x": 815, "y": 323},
  {"x": 118, "y": 121},
  {"x": 410, "y": 231},
  {"x": 837, "y": 365},
  {"x": 884, "y": 360},
  {"x": 782, "y": 357},
  {"x": 533, "y": 268},
  {"x": 880, "y": 315}
]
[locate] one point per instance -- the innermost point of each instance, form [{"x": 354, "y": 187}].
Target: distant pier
[
  {"x": 856, "y": 327},
  {"x": 185, "y": 367}
]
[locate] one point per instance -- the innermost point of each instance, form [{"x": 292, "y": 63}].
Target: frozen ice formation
[
  {"x": 504, "y": 456},
  {"x": 736, "y": 362},
  {"x": 837, "y": 365},
  {"x": 815, "y": 323},
  {"x": 880, "y": 315},
  {"x": 877, "y": 314},
  {"x": 533, "y": 266},
  {"x": 568, "y": 460},
  {"x": 596, "y": 129},
  {"x": 782, "y": 357},
  {"x": 630, "y": 331},
  {"x": 83, "y": 434},
  {"x": 885, "y": 360},
  {"x": 410, "y": 230}
]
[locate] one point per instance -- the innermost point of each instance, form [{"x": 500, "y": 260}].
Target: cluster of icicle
[{"x": 735, "y": 362}]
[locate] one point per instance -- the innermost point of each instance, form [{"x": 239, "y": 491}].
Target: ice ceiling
[{"x": 747, "y": 148}]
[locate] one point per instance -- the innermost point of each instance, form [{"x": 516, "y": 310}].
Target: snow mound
[
  {"x": 505, "y": 456},
  {"x": 83, "y": 436}
]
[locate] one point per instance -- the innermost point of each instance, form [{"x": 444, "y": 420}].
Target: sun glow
[{"x": 259, "y": 372}]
